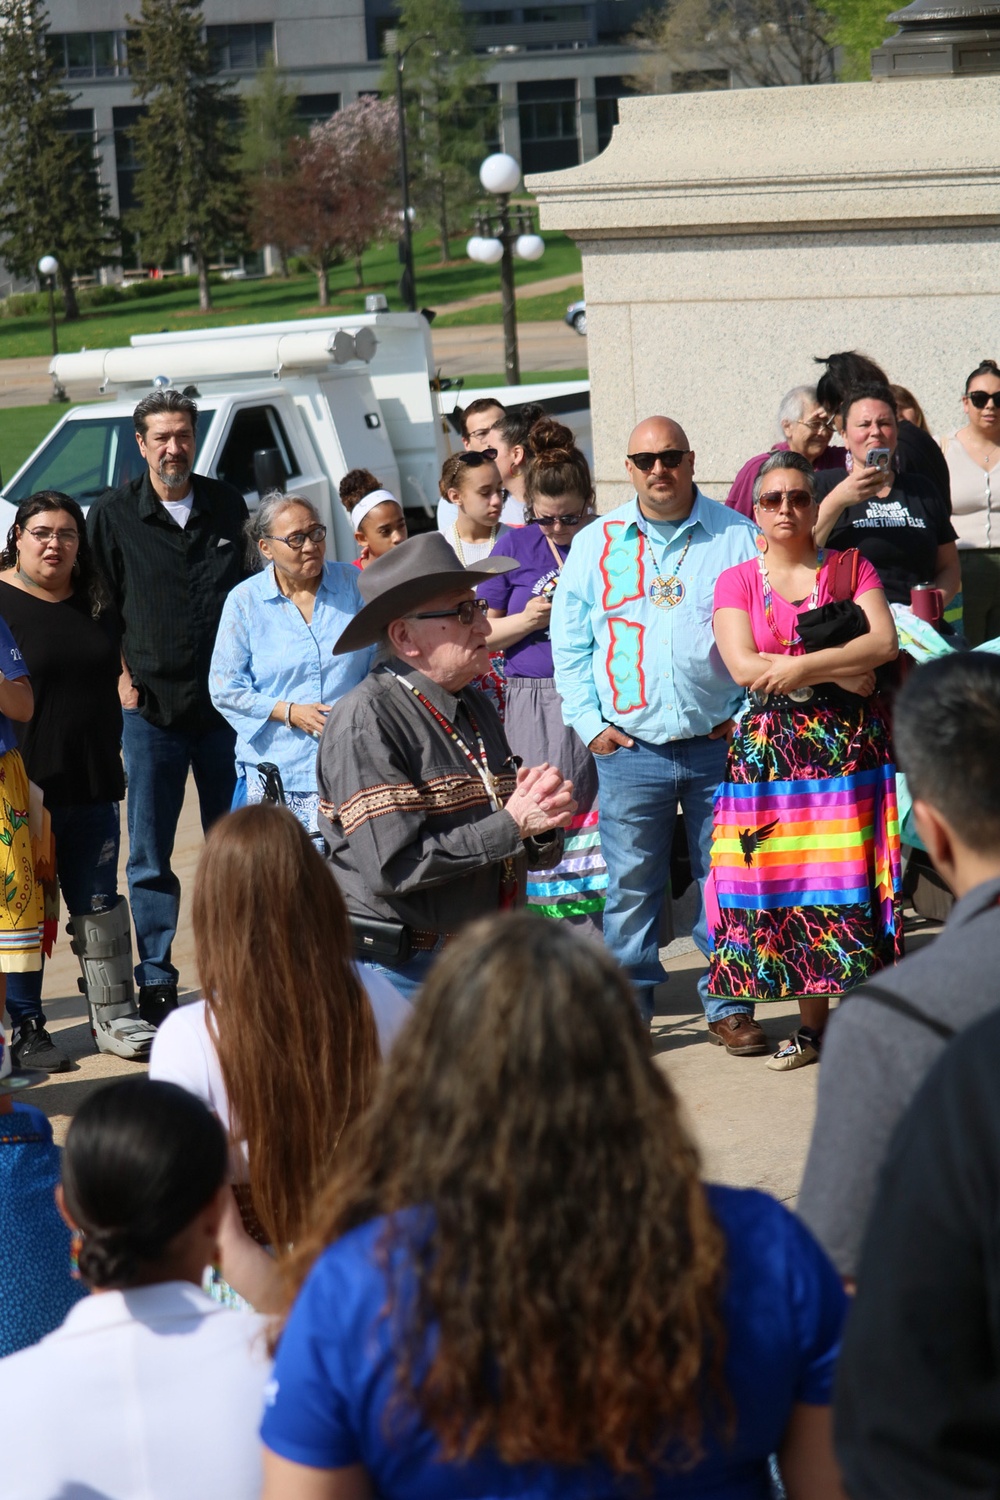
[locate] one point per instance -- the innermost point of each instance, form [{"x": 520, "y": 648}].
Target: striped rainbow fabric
[{"x": 577, "y": 885}]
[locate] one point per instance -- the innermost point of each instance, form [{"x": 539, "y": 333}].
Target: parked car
[{"x": 576, "y": 317}]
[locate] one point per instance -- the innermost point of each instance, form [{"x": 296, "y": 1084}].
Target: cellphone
[{"x": 877, "y": 458}]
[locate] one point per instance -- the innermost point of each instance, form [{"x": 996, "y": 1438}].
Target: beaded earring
[
  {"x": 75, "y": 1246},
  {"x": 761, "y": 542}
]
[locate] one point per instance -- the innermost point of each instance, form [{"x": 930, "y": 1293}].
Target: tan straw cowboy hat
[{"x": 407, "y": 576}]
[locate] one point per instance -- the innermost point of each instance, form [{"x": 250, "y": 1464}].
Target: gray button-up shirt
[{"x": 410, "y": 831}]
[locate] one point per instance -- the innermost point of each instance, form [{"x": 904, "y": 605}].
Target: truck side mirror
[{"x": 269, "y": 471}]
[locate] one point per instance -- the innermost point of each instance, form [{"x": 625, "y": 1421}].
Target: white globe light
[
  {"x": 473, "y": 248},
  {"x": 48, "y": 265},
  {"x": 490, "y": 251},
  {"x": 500, "y": 173},
  {"x": 529, "y": 246}
]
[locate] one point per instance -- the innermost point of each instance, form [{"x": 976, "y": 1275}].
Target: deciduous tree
[
  {"x": 859, "y": 26},
  {"x": 763, "y": 43},
  {"x": 270, "y": 126},
  {"x": 188, "y": 185},
  {"x": 51, "y": 200}
]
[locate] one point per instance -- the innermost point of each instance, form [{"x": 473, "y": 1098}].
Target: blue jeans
[
  {"x": 407, "y": 977},
  {"x": 87, "y": 842},
  {"x": 157, "y": 762},
  {"x": 640, "y": 788}
]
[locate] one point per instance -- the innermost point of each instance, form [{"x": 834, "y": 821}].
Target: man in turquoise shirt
[{"x": 644, "y": 686}]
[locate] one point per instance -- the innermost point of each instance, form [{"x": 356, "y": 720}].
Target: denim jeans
[
  {"x": 640, "y": 788},
  {"x": 157, "y": 762},
  {"x": 407, "y": 977},
  {"x": 87, "y": 841}
]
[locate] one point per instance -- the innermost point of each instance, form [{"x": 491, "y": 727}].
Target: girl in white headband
[{"x": 376, "y": 515}]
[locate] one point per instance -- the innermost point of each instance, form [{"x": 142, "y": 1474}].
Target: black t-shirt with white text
[{"x": 899, "y": 535}]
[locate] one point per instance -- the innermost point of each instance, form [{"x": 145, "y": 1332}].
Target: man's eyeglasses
[
  {"x": 797, "y": 499},
  {"x": 466, "y": 612},
  {"x": 669, "y": 458},
  {"x": 546, "y": 521},
  {"x": 475, "y": 458},
  {"x": 44, "y": 534},
  {"x": 297, "y": 539},
  {"x": 980, "y": 398}
]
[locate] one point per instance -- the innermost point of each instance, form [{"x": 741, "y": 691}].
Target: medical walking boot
[{"x": 102, "y": 941}]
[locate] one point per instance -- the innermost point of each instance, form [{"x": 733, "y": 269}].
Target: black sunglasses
[
  {"x": 466, "y": 612},
  {"x": 476, "y": 457},
  {"x": 979, "y": 399},
  {"x": 669, "y": 458},
  {"x": 574, "y": 520}
]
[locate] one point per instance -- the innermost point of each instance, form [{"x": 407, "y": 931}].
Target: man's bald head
[{"x": 664, "y": 477}]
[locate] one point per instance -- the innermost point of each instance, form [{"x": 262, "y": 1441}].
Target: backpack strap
[{"x": 902, "y": 1007}]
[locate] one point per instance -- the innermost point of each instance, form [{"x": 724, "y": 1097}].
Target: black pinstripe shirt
[{"x": 169, "y": 583}]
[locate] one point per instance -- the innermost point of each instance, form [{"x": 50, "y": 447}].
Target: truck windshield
[{"x": 86, "y": 456}]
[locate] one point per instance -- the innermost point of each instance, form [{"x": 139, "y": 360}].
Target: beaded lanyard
[{"x": 812, "y": 601}]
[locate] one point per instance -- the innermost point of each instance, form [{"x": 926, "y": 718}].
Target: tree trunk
[
  {"x": 324, "y": 286},
  {"x": 359, "y": 272},
  {"x": 71, "y": 307},
  {"x": 443, "y": 222},
  {"x": 283, "y": 270},
  {"x": 204, "y": 290}
]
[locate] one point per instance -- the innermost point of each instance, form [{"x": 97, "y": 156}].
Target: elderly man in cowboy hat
[{"x": 429, "y": 822}]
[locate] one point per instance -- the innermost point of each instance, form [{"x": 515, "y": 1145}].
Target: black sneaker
[
  {"x": 156, "y": 1001},
  {"x": 32, "y": 1047}
]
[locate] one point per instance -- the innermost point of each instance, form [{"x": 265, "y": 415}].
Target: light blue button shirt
[
  {"x": 621, "y": 659},
  {"x": 265, "y": 654}
]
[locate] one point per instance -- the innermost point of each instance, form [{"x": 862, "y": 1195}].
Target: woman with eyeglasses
[
  {"x": 973, "y": 455},
  {"x": 805, "y": 428},
  {"x": 376, "y": 515},
  {"x": 471, "y": 481},
  {"x": 559, "y": 499},
  {"x": 803, "y": 897},
  {"x": 273, "y": 675},
  {"x": 60, "y": 614}
]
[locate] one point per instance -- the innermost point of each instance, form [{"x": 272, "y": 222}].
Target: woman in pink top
[{"x": 803, "y": 896}]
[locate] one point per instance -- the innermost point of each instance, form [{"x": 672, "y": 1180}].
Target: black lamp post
[
  {"x": 48, "y": 269},
  {"x": 499, "y": 235},
  {"x": 407, "y": 282}
]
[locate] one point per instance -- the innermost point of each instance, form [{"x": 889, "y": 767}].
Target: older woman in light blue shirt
[{"x": 274, "y": 677}]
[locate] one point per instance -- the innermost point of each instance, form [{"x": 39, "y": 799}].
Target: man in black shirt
[{"x": 170, "y": 545}]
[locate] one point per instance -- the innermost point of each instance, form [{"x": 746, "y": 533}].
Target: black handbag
[{"x": 841, "y": 620}]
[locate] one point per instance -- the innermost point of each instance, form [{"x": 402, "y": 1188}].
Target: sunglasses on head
[
  {"x": 475, "y": 458},
  {"x": 573, "y": 520},
  {"x": 669, "y": 458},
  {"x": 980, "y": 399},
  {"x": 798, "y": 499},
  {"x": 466, "y": 612}
]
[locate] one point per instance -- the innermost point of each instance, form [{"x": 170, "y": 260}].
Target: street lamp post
[
  {"x": 500, "y": 235},
  {"x": 407, "y": 282},
  {"x": 48, "y": 269}
]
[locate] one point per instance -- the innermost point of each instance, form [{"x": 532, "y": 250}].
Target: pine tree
[
  {"x": 270, "y": 126},
  {"x": 446, "y": 109},
  {"x": 51, "y": 200},
  {"x": 188, "y": 184}
]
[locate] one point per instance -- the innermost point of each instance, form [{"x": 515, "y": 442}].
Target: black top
[
  {"x": 71, "y": 746},
  {"x": 899, "y": 535},
  {"x": 918, "y": 453},
  {"x": 169, "y": 583},
  {"x": 918, "y": 1391}
]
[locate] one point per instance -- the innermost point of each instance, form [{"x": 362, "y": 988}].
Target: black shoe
[
  {"x": 32, "y": 1047},
  {"x": 156, "y": 1001}
]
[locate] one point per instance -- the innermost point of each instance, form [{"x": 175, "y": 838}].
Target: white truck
[{"x": 298, "y": 402}]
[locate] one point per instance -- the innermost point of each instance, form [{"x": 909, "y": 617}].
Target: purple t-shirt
[{"x": 538, "y": 574}]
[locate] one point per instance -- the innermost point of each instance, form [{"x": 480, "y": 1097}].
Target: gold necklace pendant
[{"x": 666, "y": 592}]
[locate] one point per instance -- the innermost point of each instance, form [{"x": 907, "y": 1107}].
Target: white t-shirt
[
  {"x": 180, "y": 509},
  {"x": 184, "y": 1053},
  {"x": 154, "y": 1393}
]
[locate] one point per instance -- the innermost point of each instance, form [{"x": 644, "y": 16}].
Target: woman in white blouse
[{"x": 973, "y": 454}]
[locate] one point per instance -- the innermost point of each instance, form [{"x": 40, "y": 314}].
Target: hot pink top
[{"x": 743, "y": 588}]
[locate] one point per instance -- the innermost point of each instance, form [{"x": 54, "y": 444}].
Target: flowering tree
[{"x": 342, "y": 195}]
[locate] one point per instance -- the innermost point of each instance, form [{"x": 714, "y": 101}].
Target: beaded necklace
[
  {"x": 664, "y": 592},
  {"x": 456, "y": 541},
  {"x": 812, "y": 601}
]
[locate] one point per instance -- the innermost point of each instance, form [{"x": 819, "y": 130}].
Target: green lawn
[
  {"x": 273, "y": 300},
  {"x": 529, "y": 310},
  {"x": 531, "y": 377}
]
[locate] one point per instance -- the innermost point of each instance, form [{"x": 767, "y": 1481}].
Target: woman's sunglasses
[
  {"x": 475, "y": 458},
  {"x": 669, "y": 458},
  {"x": 797, "y": 499},
  {"x": 980, "y": 399},
  {"x": 546, "y": 521}
]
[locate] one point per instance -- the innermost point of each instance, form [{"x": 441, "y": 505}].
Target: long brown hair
[
  {"x": 568, "y": 1261},
  {"x": 293, "y": 1026}
]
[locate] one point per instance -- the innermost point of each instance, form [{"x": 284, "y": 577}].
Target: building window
[
  {"x": 554, "y": 15},
  {"x": 314, "y": 109},
  {"x": 548, "y": 118},
  {"x": 608, "y": 91},
  {"x": 89, "y": 54},
  {"x": 699, "y": 80},
  {"x": 240, "y": 49}
]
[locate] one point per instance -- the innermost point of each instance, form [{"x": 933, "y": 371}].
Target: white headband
[{"x": 373, "y": 498}]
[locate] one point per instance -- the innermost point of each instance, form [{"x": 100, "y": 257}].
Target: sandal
[{"x": 801, "y": 1049}]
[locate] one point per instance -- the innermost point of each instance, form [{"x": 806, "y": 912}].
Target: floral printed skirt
[{"x": 22, "y": 905}]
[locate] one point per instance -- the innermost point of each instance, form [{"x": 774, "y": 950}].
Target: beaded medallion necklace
[{"x": 812, "y": 601}]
